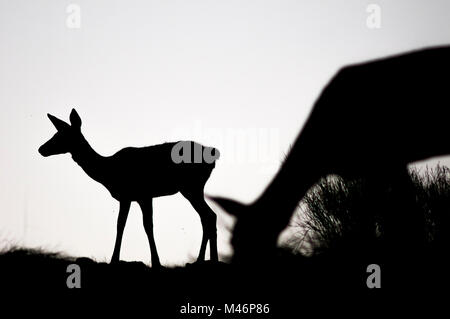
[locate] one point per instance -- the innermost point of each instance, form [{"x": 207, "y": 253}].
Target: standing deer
[
  {"x": 140, "y": 174},
  {"x": 370, "y": 121}
]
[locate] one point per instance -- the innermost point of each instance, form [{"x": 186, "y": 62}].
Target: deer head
[
  {"x": 252, "y": 234},
  {"x": 67, "y": 137}
]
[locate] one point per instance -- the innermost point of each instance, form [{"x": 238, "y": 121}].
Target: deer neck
[
  {"x": 89, "y": 160},
  {"x": 291, "y": 183}
]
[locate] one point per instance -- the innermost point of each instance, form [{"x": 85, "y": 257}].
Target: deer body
[
  {"x": 371, "y": 120},
  {"x": 139, "y": 174}
]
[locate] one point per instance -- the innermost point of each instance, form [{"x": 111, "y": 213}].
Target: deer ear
[
  {"x": 59, "y": 124},
  {"x": 75, "y": 119},
  {"x": 230, "y": 206}
]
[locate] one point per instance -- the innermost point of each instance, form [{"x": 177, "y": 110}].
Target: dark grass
[
  {"x": 338, "y": 225},
  {"x": 337, "y": 215}
]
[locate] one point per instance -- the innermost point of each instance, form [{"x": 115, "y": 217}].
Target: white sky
[{"x": 238, "y": 75}]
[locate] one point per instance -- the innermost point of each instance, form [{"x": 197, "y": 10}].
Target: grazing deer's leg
[
  {"x": 147, "y": 216},
  {"x": 208, "y": 219},
  {"x": 121, "y": 221}
]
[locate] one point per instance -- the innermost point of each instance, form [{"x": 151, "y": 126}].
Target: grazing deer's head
[
  {"x": 67, "y": 137},
  {"x": 252, "y": 235}
]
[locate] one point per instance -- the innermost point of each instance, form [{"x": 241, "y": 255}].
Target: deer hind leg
[
  {"x": 147, "y": 217},
  {"x": 121, "y": 221},
  {"x": 208, "y": 219}
]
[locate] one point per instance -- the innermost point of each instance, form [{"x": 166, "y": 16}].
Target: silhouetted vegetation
[{"x": 337, "y": 214}]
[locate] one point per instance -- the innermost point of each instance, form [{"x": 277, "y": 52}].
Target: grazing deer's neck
[
  {"x": 290, "y": 184},
  {"x": 89, "y": 160}
]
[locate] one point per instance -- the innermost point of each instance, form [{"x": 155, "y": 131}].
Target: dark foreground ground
[
  {"x": 290, "y": 287},
  {"x": 407, "y": 236}
]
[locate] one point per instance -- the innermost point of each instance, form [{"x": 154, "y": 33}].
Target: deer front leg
[{"x": 121, "y": 221}]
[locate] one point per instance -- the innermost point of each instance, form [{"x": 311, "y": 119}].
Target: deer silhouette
[
  {"x": 141, "y": 174},
  {"x": 370, "y": 121}
]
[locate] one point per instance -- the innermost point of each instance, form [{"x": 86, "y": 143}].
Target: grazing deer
[
  {"x": 140, "y": 174},
  {"x": 370, "y": 121}
]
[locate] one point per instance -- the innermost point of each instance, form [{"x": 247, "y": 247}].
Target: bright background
[{"x": 240, "y": 75}]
